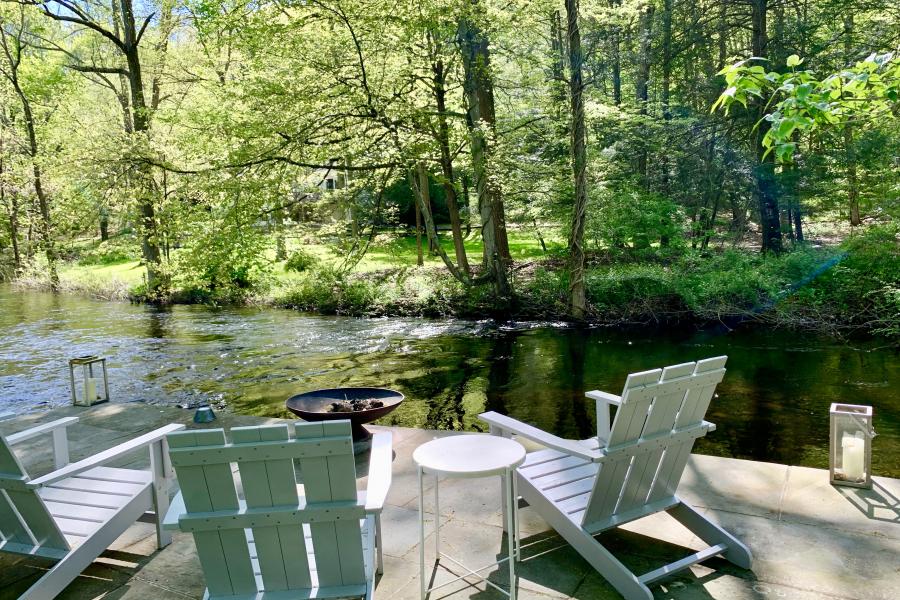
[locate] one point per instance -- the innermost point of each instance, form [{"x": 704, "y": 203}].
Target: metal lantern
[
  {"x": 850, "y": 453},
  {"x": 92, "y": 389}
]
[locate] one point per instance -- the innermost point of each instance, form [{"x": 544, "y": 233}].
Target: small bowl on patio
[{"x": 358, "y": 404}]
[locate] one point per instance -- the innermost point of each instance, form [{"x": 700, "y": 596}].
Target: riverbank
[
  {"x": 849, "y": 289},
  {"x": 806, "y": 536}
]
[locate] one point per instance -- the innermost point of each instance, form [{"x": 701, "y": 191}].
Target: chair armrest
[
  {"x": 604, "y": 397},
  {"x": 176, "y": 509},
  {"x": 41, "y": 429},
  {"x": 510, "y": 425},
  {"x": 106, "y": 456},
  {"x": 379, "y": 480},
  {"x": 57, "y": 429}
]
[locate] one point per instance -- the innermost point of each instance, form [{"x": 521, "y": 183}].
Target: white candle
[
  {"x": 90, "y": 390},
  {"x": 853, "y": 457}
]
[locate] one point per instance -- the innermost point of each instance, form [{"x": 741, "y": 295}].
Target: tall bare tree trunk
[
  {"x": 666, "y": 58},
  {"x": 849, "y": 150},
  {"x": 616, "y": 57},
  {"x": 645, "y": 33},
  {"x": 440, "y": 98},
  {"x": 577, "y": 296},
  {"x": 414, "y": 186},
  {"x": 645, "y": 37},
  {"x": 478, "y": 88},
  {"x": 142, "y": 117},
  {"x": 766, "y": 192}
]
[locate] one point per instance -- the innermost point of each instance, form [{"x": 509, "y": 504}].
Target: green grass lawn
[{"x": 399, "y": 252}]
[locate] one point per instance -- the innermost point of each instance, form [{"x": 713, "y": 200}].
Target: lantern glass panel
[{"x": 851, "y": 429}]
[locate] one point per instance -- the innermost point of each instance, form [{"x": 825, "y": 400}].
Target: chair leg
[
  {"x": 161, "y": 480},
  {"x": 712, "y": 534},
  {"x": 589, "y": 548},
  {"x": 617, "y": 574},
  {"x": 379, "y": 541}
]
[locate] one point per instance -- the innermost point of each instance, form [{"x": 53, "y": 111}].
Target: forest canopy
[{"x": 611, "y": 159}]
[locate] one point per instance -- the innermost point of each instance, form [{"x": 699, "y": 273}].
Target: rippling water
[{"x": 772, "y": 406}]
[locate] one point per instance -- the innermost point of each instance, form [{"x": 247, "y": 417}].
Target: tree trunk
[
  {"x": 104, "y": 224},
  {"x": 449, "y": 184},
  {"x": 766, "y": 191},
  {"x": 849, "y": 150},
  {"x": 616, "y": 58},
  {"x": 645, "y": 31},
  {"x": 798, "y": 225},
  {"x": 557, "y": 59},
  {"x": 666, "y": 58},
  {"x": 280, "y": 242},
  {"x": 722, "y": 36},
  {"x": 466, "y": 202},
  {"x": 478, "y": 87},
  {"x": 577, "y": 296},
  {"x": 141, "y": 117},
  {"x": 419, "y": 252}
]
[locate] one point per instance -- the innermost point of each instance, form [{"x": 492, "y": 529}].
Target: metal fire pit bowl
[{"x": 316, "y": 406}]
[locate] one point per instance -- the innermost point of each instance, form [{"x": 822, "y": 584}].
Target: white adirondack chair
[
  {"x": 279, "y": 542},
  {"x": 630, "y": 471},
  {"x": 74, "y": 513}
]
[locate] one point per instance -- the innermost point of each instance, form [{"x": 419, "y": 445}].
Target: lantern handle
[{"x": 869, "y": 430}]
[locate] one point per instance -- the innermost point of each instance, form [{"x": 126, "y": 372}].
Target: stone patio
[{"x": 809, "y": 539}]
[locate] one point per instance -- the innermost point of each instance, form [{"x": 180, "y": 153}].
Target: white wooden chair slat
[
  {"x": 326, "y": 479},
  {"x": 575, "y": 488},
  {"x": 661, "y": 419},
  {"x": 554, "y": 466},
  {"x": 267, "y": 484},
  {"x": 65, "y": 516},
  {"x": 91, "y": 499},
  {"x": 116, "y": 475},
  {"x": 223, "y": 554},
  {"x": 100, "y": 486},
  {"x": 658, "y": 418},
  {"x": 77, "y": 511},
  {"x": 293, "y": 547},
  {"x": 75, "y": 527},
  {"x": 553, "y": 480}
]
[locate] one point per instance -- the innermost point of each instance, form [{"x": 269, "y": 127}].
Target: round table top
[{"x": 469, "y": 455}]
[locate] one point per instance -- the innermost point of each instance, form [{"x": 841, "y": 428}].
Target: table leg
[
  {"x": 511, "y": 529},
  {"x": 515, "y": 506},
  {"x": 437, "y": 520},
  {"x": 421, "y": 535}
]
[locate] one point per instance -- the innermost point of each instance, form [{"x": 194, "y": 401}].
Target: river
[{"x": 772, "y": 405}]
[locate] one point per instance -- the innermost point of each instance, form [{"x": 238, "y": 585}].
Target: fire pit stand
[{"x": 358, "y": 404}]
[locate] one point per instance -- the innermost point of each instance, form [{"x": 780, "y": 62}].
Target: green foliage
[
  {"x": 862, "y": 289},
  {"x": 300, "y": 260},
  {"x": 110, "y": 252},
  {"x": 799, "y": 102},
  {"x": 631, "y": 218}
]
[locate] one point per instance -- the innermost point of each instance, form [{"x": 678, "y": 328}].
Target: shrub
[
  {"x": 632, "y": 219},
  {"x": 300, "y": 261}
]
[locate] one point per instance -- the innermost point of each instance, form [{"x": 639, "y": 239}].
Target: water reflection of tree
[{"x": 158, "y": 322}]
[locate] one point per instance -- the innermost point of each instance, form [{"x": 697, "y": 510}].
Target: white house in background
[
  {"x": 335, "y": 177},
  {"x": 314, "y": 187}
]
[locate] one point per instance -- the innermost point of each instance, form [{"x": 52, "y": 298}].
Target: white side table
[{"x": 470, "y": 456}]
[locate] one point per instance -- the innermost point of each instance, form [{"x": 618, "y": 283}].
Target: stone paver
[{"x": 810, "y": 540}]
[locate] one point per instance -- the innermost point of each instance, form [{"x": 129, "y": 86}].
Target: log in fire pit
[{"x": 358, "y": 404}]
